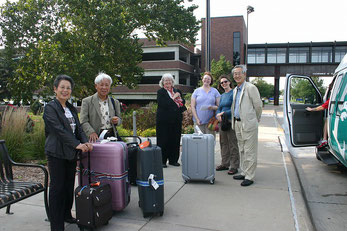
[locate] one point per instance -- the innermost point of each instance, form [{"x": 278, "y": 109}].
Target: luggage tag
[
  {"x": 145, "y": 144},
  {"x": 152, "y": 182}
]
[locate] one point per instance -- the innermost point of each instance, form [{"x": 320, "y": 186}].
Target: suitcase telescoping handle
[{"x": 79, "y": 157}]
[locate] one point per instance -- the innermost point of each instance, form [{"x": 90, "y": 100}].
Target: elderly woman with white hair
[
  {"x": 169, "y": 120},
  {"x": 99, "y": 111}
]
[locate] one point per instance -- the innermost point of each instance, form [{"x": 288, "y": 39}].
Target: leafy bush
[
  {"x": 124, "y": 132},
  {"x": 188, "y": 130},
  {"x": 148, "y": 132},
  {"x": 145, "y": 117},
  {"x": 36, "y": 107}
]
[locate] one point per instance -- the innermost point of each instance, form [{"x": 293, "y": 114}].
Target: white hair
[
  {"x": 243, "y": 67},
  {"x": 164, "y": 77},
  {"x": 102, "y": 76}
]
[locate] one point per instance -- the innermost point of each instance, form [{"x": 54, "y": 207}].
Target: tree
[
  {"x": 220, "y": 67},
  {"x": 302, "y": 89},
  {"x": 266, "y": 90},
  {"x": 83, "y": 37}
]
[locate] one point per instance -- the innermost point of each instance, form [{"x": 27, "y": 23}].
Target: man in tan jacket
[{"x": 246, "y": 112}]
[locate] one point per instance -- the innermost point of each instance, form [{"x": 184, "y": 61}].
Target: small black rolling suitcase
[
  {"x": 93, "y": 202},
  {"x": 150, "y": 180},
  {"x": 133, "y": 149}
]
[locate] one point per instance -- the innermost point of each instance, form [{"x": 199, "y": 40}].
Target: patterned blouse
[{"x": 105, "y": 114}]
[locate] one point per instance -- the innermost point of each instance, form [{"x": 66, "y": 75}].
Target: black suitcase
[
  {"x": 133, "y": 149},
  {"x": 150, "y": 181},
  {"x": 93, "y": 202}
]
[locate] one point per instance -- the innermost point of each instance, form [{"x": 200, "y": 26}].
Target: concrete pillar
[
  {"x": 277, "y": 85},
  {"x": 177, "y": 54},
  {"x": 188, "y": 58},
  {"x": 188, "y": 81}
]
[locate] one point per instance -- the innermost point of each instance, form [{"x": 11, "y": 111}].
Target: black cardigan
[
  {"x": 61, "y": 142},
  {"x": 167, "y": 109}
]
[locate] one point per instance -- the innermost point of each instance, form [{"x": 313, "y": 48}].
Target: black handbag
[{"x": 225, "y": 124}]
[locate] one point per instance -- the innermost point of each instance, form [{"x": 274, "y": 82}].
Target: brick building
[{"x": 228, "y": 38}]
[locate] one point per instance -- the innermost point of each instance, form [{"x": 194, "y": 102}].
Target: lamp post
[
  {"x": 208, "y": 37},
  {"x": 250, "y": 9}
]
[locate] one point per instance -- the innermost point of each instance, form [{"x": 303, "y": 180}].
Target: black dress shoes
[
  {"x": 175, "y": 164},
  {"x": 247, "y": 182},
  {"x": 239, "y": 177},
  {"x": 70, "y": 220}
]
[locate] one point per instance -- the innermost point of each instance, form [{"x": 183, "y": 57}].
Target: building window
[
  {"x": 150, "y": 79},
  {"x": 237, "y": 48},
  {"x": 158, "y": 56},
  {"x": 276, "y": 55},
  {"x": 321, "y": 54},
  {"x": 298, "y": 55},
  {"x": 340, "y": 52},
  {"x": 256, "y": 55}
]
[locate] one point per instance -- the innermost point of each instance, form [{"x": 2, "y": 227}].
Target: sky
[{"x": 279, "y": 21}]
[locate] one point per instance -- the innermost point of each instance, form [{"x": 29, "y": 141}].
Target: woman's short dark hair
[
  {"x": 224, "y": 77},
  {"x": 209, "y": 74},
  {"x": 63, "y": 77}
]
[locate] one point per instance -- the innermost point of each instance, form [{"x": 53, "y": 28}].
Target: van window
[
  {"x": 335, "y": 90},
  {"x": 303, "y": 92}
]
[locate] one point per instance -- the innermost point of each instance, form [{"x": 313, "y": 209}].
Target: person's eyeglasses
[{"x": 224, "y": 82}]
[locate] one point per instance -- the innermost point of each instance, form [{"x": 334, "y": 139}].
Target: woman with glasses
[
  {"x": 64, "y": 136},
  {"x": 227, "y": 139}
]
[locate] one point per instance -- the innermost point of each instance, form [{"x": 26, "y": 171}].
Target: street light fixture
[{"x": 250, "y": 9}]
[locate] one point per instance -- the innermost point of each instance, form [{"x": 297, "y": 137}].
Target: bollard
[{"x": 134, "y": 125}]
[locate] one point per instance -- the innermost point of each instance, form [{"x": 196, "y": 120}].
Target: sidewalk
[{"x": 265, "y": 205}]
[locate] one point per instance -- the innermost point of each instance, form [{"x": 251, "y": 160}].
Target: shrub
[
  {"x": 36, "y": 107},
  {"x": 188, "y": 130},
  {"x": 148, "y": 132},
  {"x": 37, "y": 140},
  {"x": 145, "y": 117},
  {"x": 124, "y": 132}
]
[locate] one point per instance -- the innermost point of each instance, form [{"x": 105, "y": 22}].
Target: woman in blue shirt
[{"x": 227, "y": 139}]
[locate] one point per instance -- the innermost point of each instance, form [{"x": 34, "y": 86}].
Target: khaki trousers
[
  {"x": 229, "y": 148},
  {"x": 248, "y": 148}
]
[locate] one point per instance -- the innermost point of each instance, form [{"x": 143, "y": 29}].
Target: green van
[{"x": 303, "y": 128}]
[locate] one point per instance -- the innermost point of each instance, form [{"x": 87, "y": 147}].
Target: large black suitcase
[
  {"x": 150, "y": 181},
  {"x": 93, "y": 202},
  {"x": 133, "y": 149}
]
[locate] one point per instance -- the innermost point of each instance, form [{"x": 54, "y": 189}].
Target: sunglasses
[{"x": 224, "y": 82}]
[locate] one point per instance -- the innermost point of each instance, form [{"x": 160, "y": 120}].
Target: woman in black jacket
[
  {"x": 64, "y": 136},
  {"x": 169, "y": 119}
]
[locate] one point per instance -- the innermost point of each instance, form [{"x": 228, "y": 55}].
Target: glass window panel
[
  {"x": 298, "y": 54},
  {"x": 340, "y": 52},
  {"x": 321, "y": 54}
]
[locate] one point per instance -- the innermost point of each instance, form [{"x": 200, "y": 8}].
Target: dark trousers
[
  {"x": 168, "y": 139},
  {"x": 61, "y": 190}
]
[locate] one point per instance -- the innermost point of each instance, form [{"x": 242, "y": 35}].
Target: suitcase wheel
[
  {"x": 146, "y": 215},
  {"x": 161, "y": 213},
  {"x": 185, "y": 181},
  {"x": 212, "y": 181}
]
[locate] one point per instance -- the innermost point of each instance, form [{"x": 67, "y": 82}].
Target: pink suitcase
[{"x": 109, "y": 164}]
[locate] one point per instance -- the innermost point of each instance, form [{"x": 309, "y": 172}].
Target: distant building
[{"x": 176, "y": 58}]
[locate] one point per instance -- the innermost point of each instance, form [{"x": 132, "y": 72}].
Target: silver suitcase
[{"x": 198, "y": 157}]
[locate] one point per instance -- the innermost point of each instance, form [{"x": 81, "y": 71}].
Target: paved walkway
[{"x": 269, "y": 204}]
